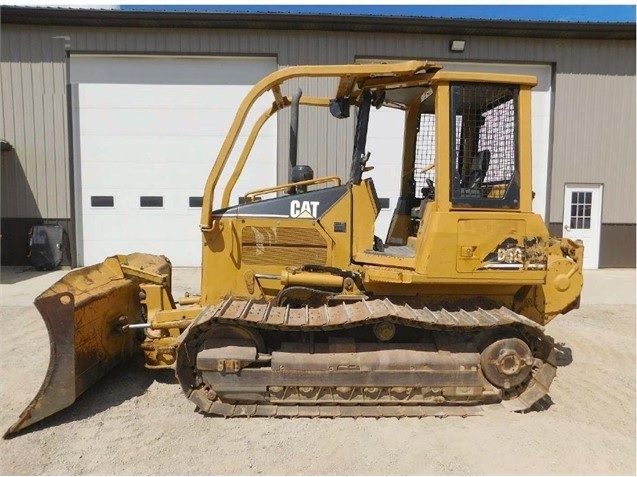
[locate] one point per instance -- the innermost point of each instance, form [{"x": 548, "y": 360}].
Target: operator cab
[{"x": 477, "y": 150}]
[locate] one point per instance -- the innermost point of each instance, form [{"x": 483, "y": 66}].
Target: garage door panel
[
  {"x": 149, "y": 122},
  {"x": 150, "y": 225},
  {"x": 165, "y": 148},
  {"x": 124, "y": 175},
  {"x": 184, "y": 253},
  {"x": 149, "y": 96},
  {"x": 127, "y": 201},
  {"x": 139, "y": 69},
  {"x": 191, "y": 178},
  {"x": 144, "y": 176},
  {"x": 151, "y": 150},
  {"x": 162, "y": 122},
  {"x": 160, "y": 140},
  {"x": 128, "y": 205}
]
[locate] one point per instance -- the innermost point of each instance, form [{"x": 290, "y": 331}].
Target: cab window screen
[
  {"x": 484, "y": 145},
  {"x": 425, "y": 153}
]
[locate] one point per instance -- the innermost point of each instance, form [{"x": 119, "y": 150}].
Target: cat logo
[{"x": 304, "y": 209}]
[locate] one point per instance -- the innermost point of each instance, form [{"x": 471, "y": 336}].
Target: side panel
[
  {"x": 457, "y": 246},
  {"x": 250, "y": 245},
  {"x": 479, "y": 240}
]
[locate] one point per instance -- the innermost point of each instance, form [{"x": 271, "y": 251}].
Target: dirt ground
[{"x": 138, "y": 422}]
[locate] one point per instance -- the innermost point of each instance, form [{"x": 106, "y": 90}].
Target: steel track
[{"x": 468, "y": 316}]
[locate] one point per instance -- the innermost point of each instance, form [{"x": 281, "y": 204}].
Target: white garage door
[
  {"x": 146, "y": 133},
  {"x": 386, "y": 138}
]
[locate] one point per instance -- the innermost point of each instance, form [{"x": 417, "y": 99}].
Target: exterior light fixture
[{"x": 457, "y": 45}]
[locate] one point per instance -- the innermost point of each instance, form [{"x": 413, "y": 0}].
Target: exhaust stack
[{"x": 294, "y": 132}]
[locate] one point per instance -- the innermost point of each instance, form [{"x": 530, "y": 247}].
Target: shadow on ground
[
  {"x": 564, "y": 355},
  {"x": 13, "y": 275}
]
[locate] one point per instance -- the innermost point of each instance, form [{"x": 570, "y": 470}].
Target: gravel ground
[{"x": 137, "y": 422}]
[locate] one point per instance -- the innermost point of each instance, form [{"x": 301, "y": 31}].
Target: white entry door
[{"x": 583, "y": 218}]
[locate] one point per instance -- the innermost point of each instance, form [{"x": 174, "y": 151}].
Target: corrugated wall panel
[
  {"x": 7, "y": 91},
  {"x": 596, "y": 66},
  {"x": 595, "y": 124},
  {"x": 39, "y": 168},
  {"x": 34, "y": 122},
  {"x": 19, "y": 201}
]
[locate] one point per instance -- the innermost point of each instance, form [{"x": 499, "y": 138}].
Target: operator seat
[{"x": 479, "y": 168}]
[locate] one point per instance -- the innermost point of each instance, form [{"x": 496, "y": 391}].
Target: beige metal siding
[
  {"x": 594, "y": 141},
  {"x": 580, "y": 65},
  {"x": 35, "y": 177}
]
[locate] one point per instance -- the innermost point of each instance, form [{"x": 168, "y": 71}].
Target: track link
[
  {"x": 469, "y": 315},
  {"x": 292, "y": 411}
]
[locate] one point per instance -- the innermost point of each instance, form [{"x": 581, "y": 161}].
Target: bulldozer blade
[{"x": 84, "y": 313}]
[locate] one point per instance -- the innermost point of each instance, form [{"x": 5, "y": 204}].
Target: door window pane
[{"x": 581, "y": 210}]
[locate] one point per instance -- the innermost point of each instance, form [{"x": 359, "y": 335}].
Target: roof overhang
[{"x": 320, "y": 22}]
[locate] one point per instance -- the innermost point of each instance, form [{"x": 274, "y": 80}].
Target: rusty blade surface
[{"x": 83, "y": 313}]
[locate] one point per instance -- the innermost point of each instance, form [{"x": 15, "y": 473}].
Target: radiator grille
[{"x": 287, "y": 246}]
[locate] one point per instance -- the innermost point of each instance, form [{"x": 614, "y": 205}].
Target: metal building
[{"x": 111, "y": 120}]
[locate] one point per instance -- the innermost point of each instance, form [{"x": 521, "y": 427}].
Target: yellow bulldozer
[{"x": 303, "y": 311}]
